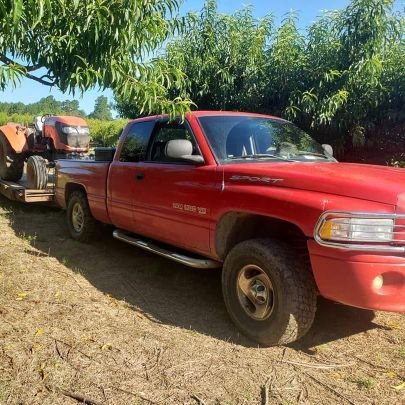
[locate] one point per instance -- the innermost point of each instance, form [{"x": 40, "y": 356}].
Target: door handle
[{"x": 139, "y": 176}]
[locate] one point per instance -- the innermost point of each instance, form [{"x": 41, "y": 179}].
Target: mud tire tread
[
  {"x": 37, "y": 173},
  {"x": 295, "y": 289}
]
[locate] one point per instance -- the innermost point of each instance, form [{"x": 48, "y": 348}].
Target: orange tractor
[{"x": 48, "y": 138}]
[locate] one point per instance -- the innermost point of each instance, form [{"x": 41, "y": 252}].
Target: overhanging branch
[
  {"x": 39, "y": 79},
  {"x": 26, "y": 69},
  {"x": 32, "y": 68}
]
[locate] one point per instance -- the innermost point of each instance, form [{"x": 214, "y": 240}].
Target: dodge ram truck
[{"x": 260, "y": 198}]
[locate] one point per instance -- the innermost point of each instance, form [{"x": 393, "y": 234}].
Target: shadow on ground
[{"x": 164, "y": 291}]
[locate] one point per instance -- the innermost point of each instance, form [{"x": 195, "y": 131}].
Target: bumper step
[{"x": 199, "y": 263}]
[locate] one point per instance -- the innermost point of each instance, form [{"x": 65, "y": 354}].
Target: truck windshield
[{"x": 239, "y": 138}]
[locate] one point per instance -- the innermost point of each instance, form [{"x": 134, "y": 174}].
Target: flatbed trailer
[{"x": 19, "y": 191}]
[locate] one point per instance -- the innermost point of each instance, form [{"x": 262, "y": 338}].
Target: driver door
[{"x": 173, "y": 198}]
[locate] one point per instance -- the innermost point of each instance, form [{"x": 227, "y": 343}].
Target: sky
[{"x": 29, "y": 91}]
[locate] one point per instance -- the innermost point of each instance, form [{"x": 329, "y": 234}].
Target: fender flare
[{"x": 15, "y": 136}]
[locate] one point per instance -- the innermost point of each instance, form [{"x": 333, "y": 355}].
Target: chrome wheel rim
[
  {"x": 77, "y": 217},
  {"x": 255, "y": 292}
]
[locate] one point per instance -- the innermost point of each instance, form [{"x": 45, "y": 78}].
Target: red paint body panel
[
  {"x": 121, "y": 182},
  {"x": 300, "y": 206},
  {"x": 365, "y": 182},
  {"x": 171, "y": 205},
  {"x": 91, "y": 176},
  {"x": 183, "y": 205},
  {"x": 347, "y": 277}
]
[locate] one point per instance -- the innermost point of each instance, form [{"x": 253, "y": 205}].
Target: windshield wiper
[{"x": 259, "y": 156}]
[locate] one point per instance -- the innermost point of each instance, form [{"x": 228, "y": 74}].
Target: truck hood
[{"x": 368, "y": 182}]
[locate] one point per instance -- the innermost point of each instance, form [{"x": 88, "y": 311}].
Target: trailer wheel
[
  {"x": 11, "y": 164},
  {"x": 37, "y": 173},
  {"x": 81, "y": 224},
  {"x": 269, "y": 294}
]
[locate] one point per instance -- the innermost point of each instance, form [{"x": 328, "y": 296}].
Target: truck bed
[
  {"x": 90, "y": 175},
  {"x": 19, "y": 191}
]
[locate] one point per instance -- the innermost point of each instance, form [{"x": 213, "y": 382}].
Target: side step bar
[{"x": 177, "y": 257}]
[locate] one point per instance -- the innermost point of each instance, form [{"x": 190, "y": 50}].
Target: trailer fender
[{"x": 15, "y": 136}]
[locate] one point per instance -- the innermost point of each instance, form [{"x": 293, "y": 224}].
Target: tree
[
  {"x": 72, "y": 107},
  {"x": 352, "y": 79},
  {"x": 344, "y": 61},
  {"x": 223, "y": 58},
  {"x": 76, "y": 45},
  {"x": 342, "y": 79},
  {"x": 46, "y": 105},
  {"x": 285, "y": 63},
  {"x": 102, "y": 109}
]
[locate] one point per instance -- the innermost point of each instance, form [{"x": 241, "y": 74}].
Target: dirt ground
[{"x": 114, "y": 325}]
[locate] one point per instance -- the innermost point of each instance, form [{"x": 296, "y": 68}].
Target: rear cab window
[{"x": 136, "y": 142}]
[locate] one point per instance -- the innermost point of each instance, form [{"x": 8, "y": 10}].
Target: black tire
[
  {"x": 279, "y": 312},
  {"x": 37, "y": 173},
  {"x": 82, "y": 226},
  {"x": 11, "y": 164}
]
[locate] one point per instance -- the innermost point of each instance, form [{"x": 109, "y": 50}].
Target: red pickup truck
[{"x": 257, "y": 196}]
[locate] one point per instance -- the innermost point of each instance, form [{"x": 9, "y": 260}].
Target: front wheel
[
  {"x": 80, "y": 222},
  {"x": 269, "y": 294}
]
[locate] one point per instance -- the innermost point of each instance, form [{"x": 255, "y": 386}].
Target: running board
[{"x": 177, "y": 257}]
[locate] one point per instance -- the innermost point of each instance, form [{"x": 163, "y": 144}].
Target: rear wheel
[
  {"x": 81, "y": 224},
  {"x": 11, "y": 164},
  {"x": 269, "y": 294},
  {"x": 37, "y": 173}
]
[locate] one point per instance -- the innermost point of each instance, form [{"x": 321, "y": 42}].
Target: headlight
[
  {"x": 357, "y": 230},
  {"x": 76, "y": 130},
  {"x": 84, "y": 130},
  {"x": 363, "y": 231},
  {"x": 69, "y": 130}
]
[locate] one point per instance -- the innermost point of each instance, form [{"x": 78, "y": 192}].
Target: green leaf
[
  {"x": 17, "y": 11},
  {"x": 40, "y": 13}
]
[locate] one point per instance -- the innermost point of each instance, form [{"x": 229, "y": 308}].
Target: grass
[
  {"x": 30, "y": 239},
  {"x": 3, "y": 392},
  {"x": 363, "y": 382},
  {"x": 65, "y": 261},
  {"x": 132, "y": 328}
]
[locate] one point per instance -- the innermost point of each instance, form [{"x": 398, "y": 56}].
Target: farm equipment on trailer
[{"x": 40, "y": 144}]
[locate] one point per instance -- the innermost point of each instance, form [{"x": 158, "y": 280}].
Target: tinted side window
[{"x": 136, "y": 142}]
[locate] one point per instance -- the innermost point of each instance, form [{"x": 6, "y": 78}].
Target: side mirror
[
  {"x": 327, "y": 149},
  {"x": 182, "y": 149}
]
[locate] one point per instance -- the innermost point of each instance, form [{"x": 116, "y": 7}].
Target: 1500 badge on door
[{"x": 190, "y": 208}]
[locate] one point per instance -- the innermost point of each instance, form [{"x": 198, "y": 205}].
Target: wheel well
[
  {"x": 237, "y": 227},
  {"x": 71, "y": 187}
]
